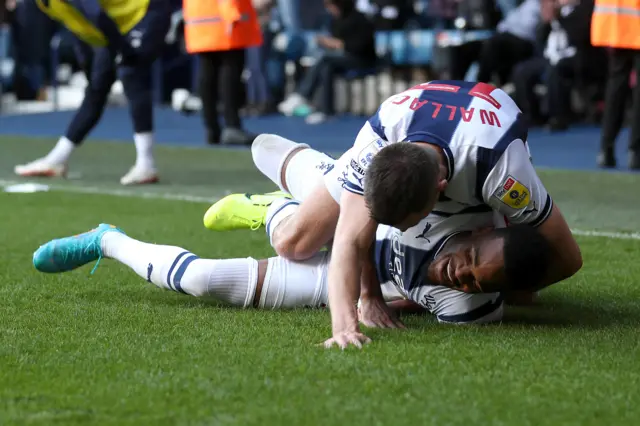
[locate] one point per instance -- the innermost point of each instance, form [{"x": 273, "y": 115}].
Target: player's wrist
[
  {"x": 345, "y": 319},
  {"x": 369, "y": 295}
]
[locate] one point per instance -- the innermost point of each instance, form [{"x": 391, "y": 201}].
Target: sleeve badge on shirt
[
  {"x": 513, "y": 193},
  {"x": 369, "y": 151}
]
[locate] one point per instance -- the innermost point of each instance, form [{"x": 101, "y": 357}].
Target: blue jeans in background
[
  {"x": 5, "y": 41},
  {"x": 289, "y": 11}
]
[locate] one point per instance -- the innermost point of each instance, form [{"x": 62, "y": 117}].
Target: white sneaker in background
[
  {"x": 41, "y": 167},
  {"x": 316, "y": 118},
  {"x": 183, "y": 101},
  {"x": 292, "y": 102},
  {"x": 140, "y": 176},
  {"x": 78, "y": 80}
]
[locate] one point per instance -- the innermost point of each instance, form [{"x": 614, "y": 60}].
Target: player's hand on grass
[
  {"x": 346, "y": 338},
  {"x": 374, "y": 312},
  {"x": 346, "y": 330}
]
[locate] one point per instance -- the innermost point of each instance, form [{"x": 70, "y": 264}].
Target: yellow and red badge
[{"x": 513, "y": 193}]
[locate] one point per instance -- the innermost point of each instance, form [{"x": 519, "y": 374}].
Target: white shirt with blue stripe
[{"x": 483, "y": 136}]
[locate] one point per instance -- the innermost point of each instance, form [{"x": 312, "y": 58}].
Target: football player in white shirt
[
  {"x": 413, "y": 270},
  {"x": 468, "y": 153}
]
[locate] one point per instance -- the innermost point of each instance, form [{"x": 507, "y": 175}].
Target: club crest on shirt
[
  {"x": 366, "y": 154},
  {"x": 513, "y": 193}
]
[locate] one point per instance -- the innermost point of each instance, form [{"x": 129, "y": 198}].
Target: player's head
[
  {"x": 516, "y": 257},
  {"x": 402, "y": 184}
]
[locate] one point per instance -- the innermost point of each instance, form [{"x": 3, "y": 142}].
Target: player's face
[{"x": 475, "y": 262}]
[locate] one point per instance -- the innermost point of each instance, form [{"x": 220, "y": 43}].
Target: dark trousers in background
[
  {"x": 500, "y": 53},
  {"x": 460, "y": 58},
  {"x": 32, "y": 32},
  {"x": 220, "y": 76},
  {"x": 558, "y": 79},
  {"x": 136, "y": 76},
  {"x": 621, "y": 63},
  {"x": 322, "y": 75},
  {"x": 258, "y": 92}
]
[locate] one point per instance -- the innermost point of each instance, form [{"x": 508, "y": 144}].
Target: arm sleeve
[
  {"x": 366, "y": 146},
  {"x": 514, "y": 189},
  {"x": 94, "y": 12}
]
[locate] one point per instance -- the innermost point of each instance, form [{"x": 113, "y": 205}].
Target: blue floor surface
[{"x": 574, "y": 149}]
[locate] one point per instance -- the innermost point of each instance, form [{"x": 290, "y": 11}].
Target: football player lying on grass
[
  {"x": 442, "y": 147},
  {"x": 447, "y": 269}
]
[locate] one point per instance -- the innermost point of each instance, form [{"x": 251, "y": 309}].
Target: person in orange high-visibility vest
[
  {"x": 616, "y": 24},
  {"x": 219, "y": 32}
]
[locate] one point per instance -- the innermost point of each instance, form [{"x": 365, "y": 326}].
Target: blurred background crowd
[{"x": 316, "y": 59}]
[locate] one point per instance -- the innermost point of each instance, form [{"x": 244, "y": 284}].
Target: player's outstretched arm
[
  {"x": 514, "y": 189},
  {"x": 354, "y": 235}
]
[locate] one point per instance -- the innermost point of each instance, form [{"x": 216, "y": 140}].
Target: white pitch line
[
  {"x": 607, "y": 234},
  {"x": 94, "y": 190}
]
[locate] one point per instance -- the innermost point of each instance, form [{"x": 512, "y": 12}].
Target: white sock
[
  {"x": 229, "y": 280},
  {"x": 269, "y": 153},
  {"x": 293, "y": 284},
  {"x": 278, "y": 211},
  {"x": 144, "y": 150},
  {"x": 61, "y": 152},
  {"x": 305, "y": 170}
]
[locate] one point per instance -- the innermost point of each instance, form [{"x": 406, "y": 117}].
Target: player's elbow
[
  {"x": 568, "y": 263},
  {"x": 573, "y": 263}
]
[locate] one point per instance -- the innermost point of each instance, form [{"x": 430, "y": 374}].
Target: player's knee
[
  {"x": 295, "y": 284},
  {"x": 294, "y": 245}
]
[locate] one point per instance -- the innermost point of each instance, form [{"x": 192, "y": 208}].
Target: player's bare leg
[
  {"x": 306, "y": 228},
  {"x": 297, "y": 231},
  {"x": 297, "y": 228}
]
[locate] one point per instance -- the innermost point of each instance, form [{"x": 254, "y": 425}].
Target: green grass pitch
[{"x": 111, "y": 349}]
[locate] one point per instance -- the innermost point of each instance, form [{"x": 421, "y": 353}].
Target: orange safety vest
[
  {"x": 213, "y": 25},
  {"x": 616, "y": 23}
]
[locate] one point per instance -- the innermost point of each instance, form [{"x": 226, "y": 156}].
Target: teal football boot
[{"x": 66, "y": 254}]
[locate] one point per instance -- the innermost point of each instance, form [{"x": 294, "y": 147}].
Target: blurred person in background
[
  {"x": 126, "y": 37},
  {"x": 258, "y": 90},
  {"x": 349, "y": 45},
  {"x": 219, "y": 32},
  {"x": 564, "y": 39},
  {"x": 32, "y": 32},
  {"x": 616, "y": 24},
  {"x": 5, "y": 42},
  {"x": 442, "y": 13},
  {"x": 387, "y": 15},
  {"x": 513, "y": 43},
  {"x": 6, "y": 14},
  {"x": 289, "y": 12}
]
